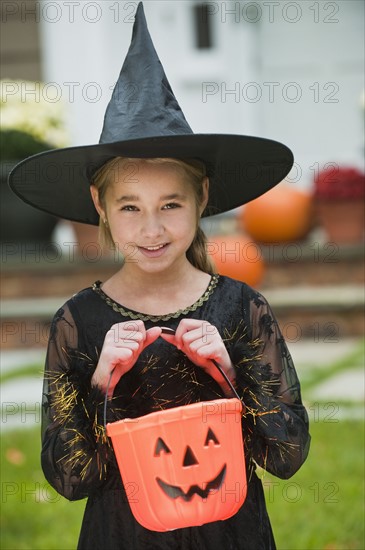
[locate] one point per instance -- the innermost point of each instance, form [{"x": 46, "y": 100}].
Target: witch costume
[{"x": 77, "y": 456}]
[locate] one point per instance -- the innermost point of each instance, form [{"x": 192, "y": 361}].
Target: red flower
[{"x": 336, "y": 183}]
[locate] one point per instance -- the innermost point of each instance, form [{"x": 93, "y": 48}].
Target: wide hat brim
[{"x": 240, "y": 169}]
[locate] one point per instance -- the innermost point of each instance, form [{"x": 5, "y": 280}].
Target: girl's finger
[
  {"x": 127, "y": 331},
  {"x": 187, "y": 325},
  {"x": 194, "y": 337},
  {"x": 130, "y": 328},
  {"x": 168, "y": 334},
  {"x": 128, "y": 337},
  {"x": 128, "y": 344},
  {"x": 134, "y": 331},
  {"x": 195, "y": 329},
  {"x": 151, "y": 335}
]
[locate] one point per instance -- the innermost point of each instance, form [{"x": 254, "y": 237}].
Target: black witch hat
[{"x": 144, "y": 120}]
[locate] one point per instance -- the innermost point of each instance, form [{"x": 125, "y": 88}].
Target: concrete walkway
[{"x": 21, "y": 397}]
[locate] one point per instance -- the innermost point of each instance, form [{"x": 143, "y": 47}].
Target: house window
[
  {"x": 20, "y": 40},
  {"x": 203, "y": 27}
]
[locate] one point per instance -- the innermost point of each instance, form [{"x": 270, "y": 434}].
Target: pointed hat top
[{"x": 143, "y": 103}]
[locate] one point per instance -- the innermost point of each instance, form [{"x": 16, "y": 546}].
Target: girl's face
[{"x": 152, "y": 214}]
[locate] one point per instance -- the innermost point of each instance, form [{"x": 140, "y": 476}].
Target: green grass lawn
[
  {"x": 33, "y": 515},
  {"x": 320, "y": 508}
]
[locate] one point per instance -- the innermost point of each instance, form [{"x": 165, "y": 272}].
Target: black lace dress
[{"x": 77, "y": 457}]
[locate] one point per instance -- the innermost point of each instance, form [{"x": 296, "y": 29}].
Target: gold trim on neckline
[{"x": 156, "y": 318}]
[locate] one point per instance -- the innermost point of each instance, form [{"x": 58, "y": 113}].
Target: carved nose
[{"x": 189, "y": 458}]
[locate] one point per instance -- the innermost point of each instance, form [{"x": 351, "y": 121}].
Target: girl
[
  {"x": 148, "y": 338},
  {"x": 152, "y": 208}
]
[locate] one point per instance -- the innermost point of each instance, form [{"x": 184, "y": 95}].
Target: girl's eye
[
  {"x": 171, "y": 205},
  {"x": 129, "y": 208}
]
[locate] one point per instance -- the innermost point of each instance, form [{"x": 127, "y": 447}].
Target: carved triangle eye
[
  {"x": 211, "y": 437},
  {"x": 161, "y": 447}
]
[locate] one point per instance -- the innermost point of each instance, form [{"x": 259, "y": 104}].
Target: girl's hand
[
  {"x": 201, "y": 342},
  {"x": 122, "y": 346}
]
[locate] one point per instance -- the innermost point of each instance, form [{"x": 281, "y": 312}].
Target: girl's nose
[{"x": 152, "y": 226}]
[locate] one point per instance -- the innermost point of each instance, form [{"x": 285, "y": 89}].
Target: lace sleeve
[
  {"x": 75, "y": 449},
  {"x": 276, "y": 422}
]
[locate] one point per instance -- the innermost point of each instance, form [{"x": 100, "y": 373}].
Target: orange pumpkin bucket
[{"x": 186, "y": 464}]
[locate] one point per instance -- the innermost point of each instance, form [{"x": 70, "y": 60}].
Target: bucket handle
[{"x": 166, "y": 330}]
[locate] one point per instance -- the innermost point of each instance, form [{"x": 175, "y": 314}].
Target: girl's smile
[{"x": 153, "y": 251}]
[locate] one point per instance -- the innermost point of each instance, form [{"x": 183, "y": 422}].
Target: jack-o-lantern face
[
  {"x": 185, "y": 465},
  {"x": 190, "y": 461}
]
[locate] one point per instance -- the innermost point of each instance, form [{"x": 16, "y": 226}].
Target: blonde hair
[{"x": 193, "y": 171}]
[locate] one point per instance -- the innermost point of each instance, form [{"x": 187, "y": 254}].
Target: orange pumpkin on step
[
  {"x": 238, "y": 257},
  {"x": 282, "y": 214}
]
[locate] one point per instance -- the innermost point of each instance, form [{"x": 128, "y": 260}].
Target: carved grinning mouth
[{"x": 174, "y": 492}]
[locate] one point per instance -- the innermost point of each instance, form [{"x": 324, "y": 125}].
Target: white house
[{"x": 292, "y": 71}]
